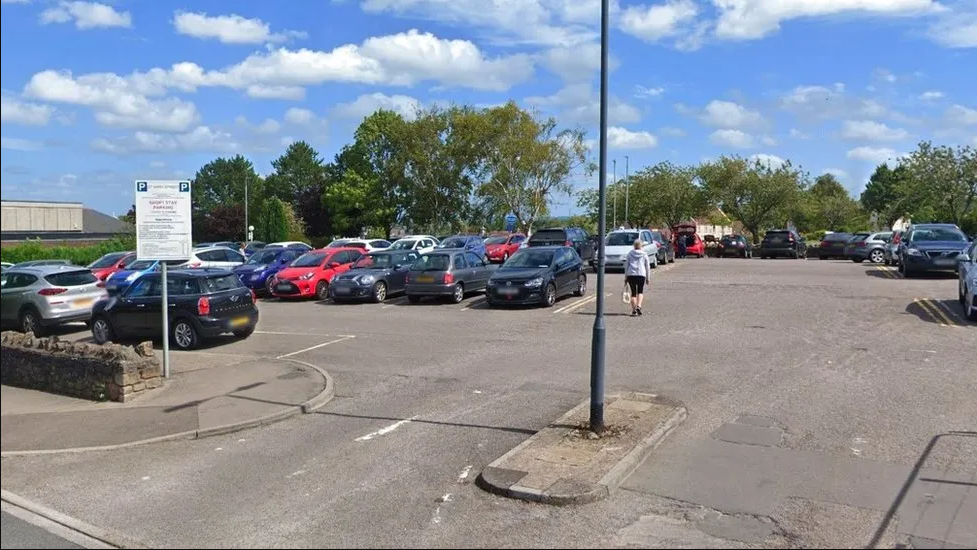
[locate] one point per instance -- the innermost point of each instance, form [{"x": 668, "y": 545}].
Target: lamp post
[
  {"x": 599, "y": 335},
  {"x": 627, "y": 191},
  {"x": 614, "y": 162},
  {"x": 247, "y": 226}
]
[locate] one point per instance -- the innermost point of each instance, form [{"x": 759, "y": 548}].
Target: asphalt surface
[
  {"x": 847, "y": 370},
  {"x": 17, "y": 533}
]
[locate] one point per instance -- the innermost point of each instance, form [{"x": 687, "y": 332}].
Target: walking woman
[{"x": 637, "y": 273}]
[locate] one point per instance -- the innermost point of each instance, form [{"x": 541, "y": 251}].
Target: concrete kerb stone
[
  {"x": 502, "y": 481},
  {"x": 311, "y": 405},
  {"x": 106, "y": 536}
]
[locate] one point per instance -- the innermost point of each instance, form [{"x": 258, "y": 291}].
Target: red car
[
  {"x": 694, "y": 245},
  {"x": 108, "y": 264},
  {"x": 309, "y": 275},
  {"x": 498, "y": 249}
]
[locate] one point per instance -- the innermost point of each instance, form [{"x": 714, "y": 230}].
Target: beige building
[{"x": 42, "y": 217}]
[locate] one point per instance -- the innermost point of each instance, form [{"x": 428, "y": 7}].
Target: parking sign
[{"x": 163, "y": 226}]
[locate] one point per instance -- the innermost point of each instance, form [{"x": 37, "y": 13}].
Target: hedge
[{"x": 79, "y": 255}]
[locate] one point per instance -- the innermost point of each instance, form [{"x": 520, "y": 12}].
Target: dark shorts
[{"x": 636, "y": 283}]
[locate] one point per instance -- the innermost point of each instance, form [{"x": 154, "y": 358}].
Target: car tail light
[
  {"x": 195, "y": 264},
  {"x": 254, "y": 297},
  {"x": 203, "y": 306},
  {"x": 52, "y": 291},
  {"x": 449, "y": 278}
]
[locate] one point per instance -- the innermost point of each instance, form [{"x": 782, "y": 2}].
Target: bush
[{"x": 78, "y": 255}]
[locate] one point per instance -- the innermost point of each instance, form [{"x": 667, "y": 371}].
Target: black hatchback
[
  {"x": 538, "y": 275},
  {"x": 203, "y": 303}
]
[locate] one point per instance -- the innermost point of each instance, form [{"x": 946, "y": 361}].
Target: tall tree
[
  {"x": 829, "y": 206},
  {"x": 298, "y": 180},
  {"x": 273, "y": 222},
  {"x": 130, "y": 216},
  {"x": 525, "y": 161},
  {"x": 221, "y": 182},
  {"x": 886, "y": 194},
  {"x": 944, "y": 182},
  {"x": 665, "y": 193}
]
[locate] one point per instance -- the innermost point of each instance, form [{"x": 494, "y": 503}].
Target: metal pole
[
  {"x": 599, "y": 338},
  {"x": 627, "y": 191},
  {"x": 247, "y": 231},
  {"x": 614, "y": 189},
  {"x": 166, "y": 323}
]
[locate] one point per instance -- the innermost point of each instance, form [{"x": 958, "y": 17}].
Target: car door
[
  {"x": 231, "y": 258},
  {"x": 134, "y": 310},
  {"x": 14, "y": 294},
  {"x": 460, "y": 271},
  {"x": 478, "y": 269},
  {"x": 397, "y": 279},
  {"x": 562, "y": 270},
  {"x": 650, "y": 247}
]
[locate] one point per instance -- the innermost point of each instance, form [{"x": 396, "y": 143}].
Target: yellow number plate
[
  {"x": 239, "y": 321},
  {"x": 425, "y": 279}
]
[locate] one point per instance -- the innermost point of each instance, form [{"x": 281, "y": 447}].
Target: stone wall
[{"x": 88, "y": 371}]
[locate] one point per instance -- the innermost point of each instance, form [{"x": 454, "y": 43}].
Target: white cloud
[
  {"x": 365, "y": 105},
  {"x": 18, "y": 144},
  {"x": 960, "y": 115},
  {"x": 956, "y": 29},
  {"x": 576, "y": 63},
  {"x": 579, "y": 104},
  {"x": 645, "y": 93},
  {"x": 622, "y": 138},
  {"x": 268, "y": 126},
  {"x": 836, "y": 172},
  {"x": 675, "y": 19},
  {"x": 12, "y": 110},
  {"x": 86, "y": 15},
  {"x": 672, "y": 132},
  {"x": 876, "y": 155},
  {"x": 727, "y": 114},
  {"x": 299, "y": 117},
  {"x": 229, "y": 29},
  {"x": 931, "y": 95},
  {"x": 752, "y": 19},
  {"x": 768, "y": 140},
  {"x": 798, "y": 134},
  {"x": 261, "y": 91},
  {"x": 732, "y": 138},
  {"x": 867, "y": 130},
  {"x": 884, "y": 74},
  {"x": 773, "y": 161},
  {"x": 117, "y": 101},
  {"x": 830, "y": 102},
  {"x": 200, "y": 139},
  {"x": 157, "y": 164}
]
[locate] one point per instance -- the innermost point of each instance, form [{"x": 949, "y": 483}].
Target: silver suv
[{"x": 37, "y": 298}]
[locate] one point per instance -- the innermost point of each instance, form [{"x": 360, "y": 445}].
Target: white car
[
  {"x": 368, "y": 245},
  {"x": 620, "y": 242},
  {"x": 967, "y": 270},
  {"x": 215, "y": 256},
  {"x": 421, "y": 244},
  {"x": 298, "y": 245}
]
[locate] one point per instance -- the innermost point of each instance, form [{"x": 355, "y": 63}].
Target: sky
[{"x": 96, "y": 95}]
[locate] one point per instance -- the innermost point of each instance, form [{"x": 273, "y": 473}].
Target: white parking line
[
  {"x": 317, "y": 346},
  {"x": 577, "y": 305},
  {"x": 385, "y": 430},
  {"x": 277, "y": 333}
]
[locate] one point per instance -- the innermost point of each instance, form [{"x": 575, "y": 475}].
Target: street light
[
  {"x": 627, "y": 191},
  {"x": 599, "y": 336},
  {"x": 247, "y": 227},
  {"x": 615, "y": 193}
]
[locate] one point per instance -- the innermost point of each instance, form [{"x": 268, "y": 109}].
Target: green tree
[
  {"x": 298, "y": 180},
  {"x": 221, "y": 182},
  {"x": 886, "y": 194},
  {"x": 827, "y": 205},
  {"x": 273, "y": 223},
  {"x": 665, "y": 194},
  {"x": 130, "y": 216},
  {"x": 525, "y": 162},
  {"x": 943, "y": 183}
]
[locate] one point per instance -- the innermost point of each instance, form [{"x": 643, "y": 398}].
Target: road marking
[
  {"x": 276, "y": 333},
  {"x": 889, "y": 271},
  {"x": 957, "y": 319},
  {"x": 317, "y": 346},
  {"x": 579, "y": 304},
  {"x": 385, "y": 430},
  {"x": 935, "y": 312}
]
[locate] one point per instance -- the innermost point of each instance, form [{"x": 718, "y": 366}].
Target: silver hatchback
[{"x": 37, "y": 298}]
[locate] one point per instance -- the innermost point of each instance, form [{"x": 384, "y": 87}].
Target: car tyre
[
  {"x": 184, "y": 335},
  {"x": 876, "y": 256},
  {"x": 102, "y": 330},
  {"x": 961, "y": 297},
  {"x": 244, "y": 333},
  {"x": 322, "y": 290},
  {"x": 858, "y": 260},
  {"x": 379, "y": 293},
  {"x": 581, "y": 285},
  {"x": 30, "y": 321},
  {"x": 268, "y": 285},
  {"x": 413, "y": 299},
  {"x": 549, "y": 295},
  {"x": 457, "y": 294},
  {"x": 971, "y": 310}
]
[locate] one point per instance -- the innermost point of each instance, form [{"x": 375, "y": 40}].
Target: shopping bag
[{"x": 626, "y": 294}]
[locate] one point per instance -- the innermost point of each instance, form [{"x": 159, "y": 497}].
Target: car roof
[
  {"x": 553, "y": 247},
  {"x": 925, "y": 225},
  {"x": 210, "y": 248},
  {"x": 45, "y": 270},
  {"x": 196, "y": 273}
]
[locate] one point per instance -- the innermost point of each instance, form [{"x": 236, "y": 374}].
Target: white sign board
[{"x": 163, "y": 228}]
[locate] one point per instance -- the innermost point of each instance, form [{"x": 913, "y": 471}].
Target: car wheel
[
  {"x": 413, "y": 299},
  {"x": 244, "y": 333},
  {"x": 961, "y": 297},
  {"x": 102, "y": 330},
  {"x": 549, "y": 295},
  {"x": 876, "y": 256},
  {"x": 322, "y": 290},
  {"x": 581, "y": 285},
  {"x": 183, "y": 335},
  {"x": 30, "y": 321},
  {"x": 268, "y": 285},
  {"x": 458, "y": 293},
  {"x": 379, "y": 292},
  {"x": 972, "y": 310}
]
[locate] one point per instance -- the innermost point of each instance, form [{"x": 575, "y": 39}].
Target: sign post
[
  {"x": 163, "y": 233},
  {"x": 510, "y": 222}
]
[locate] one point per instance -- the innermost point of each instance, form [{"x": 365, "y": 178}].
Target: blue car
[
  {"x": 931, "y": 247},
  {"x": 117, "y": 282},
  {"x": 470, "y": 243},
  {"x": 258, "y": 272}
]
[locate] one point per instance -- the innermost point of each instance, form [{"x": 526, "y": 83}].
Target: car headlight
[
  {"x": 913, "y": 252},
  {"x": 535, "y": 283},
  {"x": 131, "y": 277},
  {"x": 308, "y": 276},
  {"x": 365, "y": 279}
]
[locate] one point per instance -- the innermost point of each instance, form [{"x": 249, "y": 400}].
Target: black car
[
  {"x": 666, "y": 250},
  {"x": 734, "y": 245},
  {"x": 374, "y": 276},
  {"x": 204, "y": 303},
  {"x": 833, "y": 246},
  {"x": 538, "y": 275},
  {"x": 783, "y": 242},
  {"x": 573, "y": 237}
]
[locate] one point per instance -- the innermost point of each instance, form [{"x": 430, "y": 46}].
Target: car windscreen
[
  {"x": 309, "y": 259},
  {"x": 939, "y": 234},
  {"x": 432, "y": 262},
  {"x": 454, "y": 242},
  {"x": 403, "y": 245},
  {"x": 107, "y": 260},
  {"x": 859, "y": 237},
  {"x": 262, "y": 257},
  {"x": 529, "y": 258},
  {"x": 140, "y": 265},
  {"x": 220, "y": 283},
  {"x": 71, "y": 278},
  {"x": 374, "y": 261},
  {"x": 776, "y": 235},
  {"x": 621, "y": 239},
  {"x": 496, "y": 240},
  {"x": 837, "y": 237},
  {"x": 549, "y": 235}
]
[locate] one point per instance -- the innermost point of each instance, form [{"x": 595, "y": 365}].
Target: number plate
[
  {"x": 239, "y": 322},
  {"x": 508, "y": 291},
  {"x": 425, "y": 279},
  {"x": 945, "y": 262},
  {"x": 84, "y": 302},
  {"x": 341, "y": 290},
  {"x": 284, "y": 287}
]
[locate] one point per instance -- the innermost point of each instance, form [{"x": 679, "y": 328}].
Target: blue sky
[{"x": 97, "y": 95}]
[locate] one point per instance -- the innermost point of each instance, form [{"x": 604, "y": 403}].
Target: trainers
[
  {"x": 634, "y": 312},
  {"x": 639, "y": 311}
]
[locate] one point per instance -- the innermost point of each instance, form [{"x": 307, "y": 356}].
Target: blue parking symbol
[
  {"x": 184, "y": 186},
  {"x": 142, "y": 186}
]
